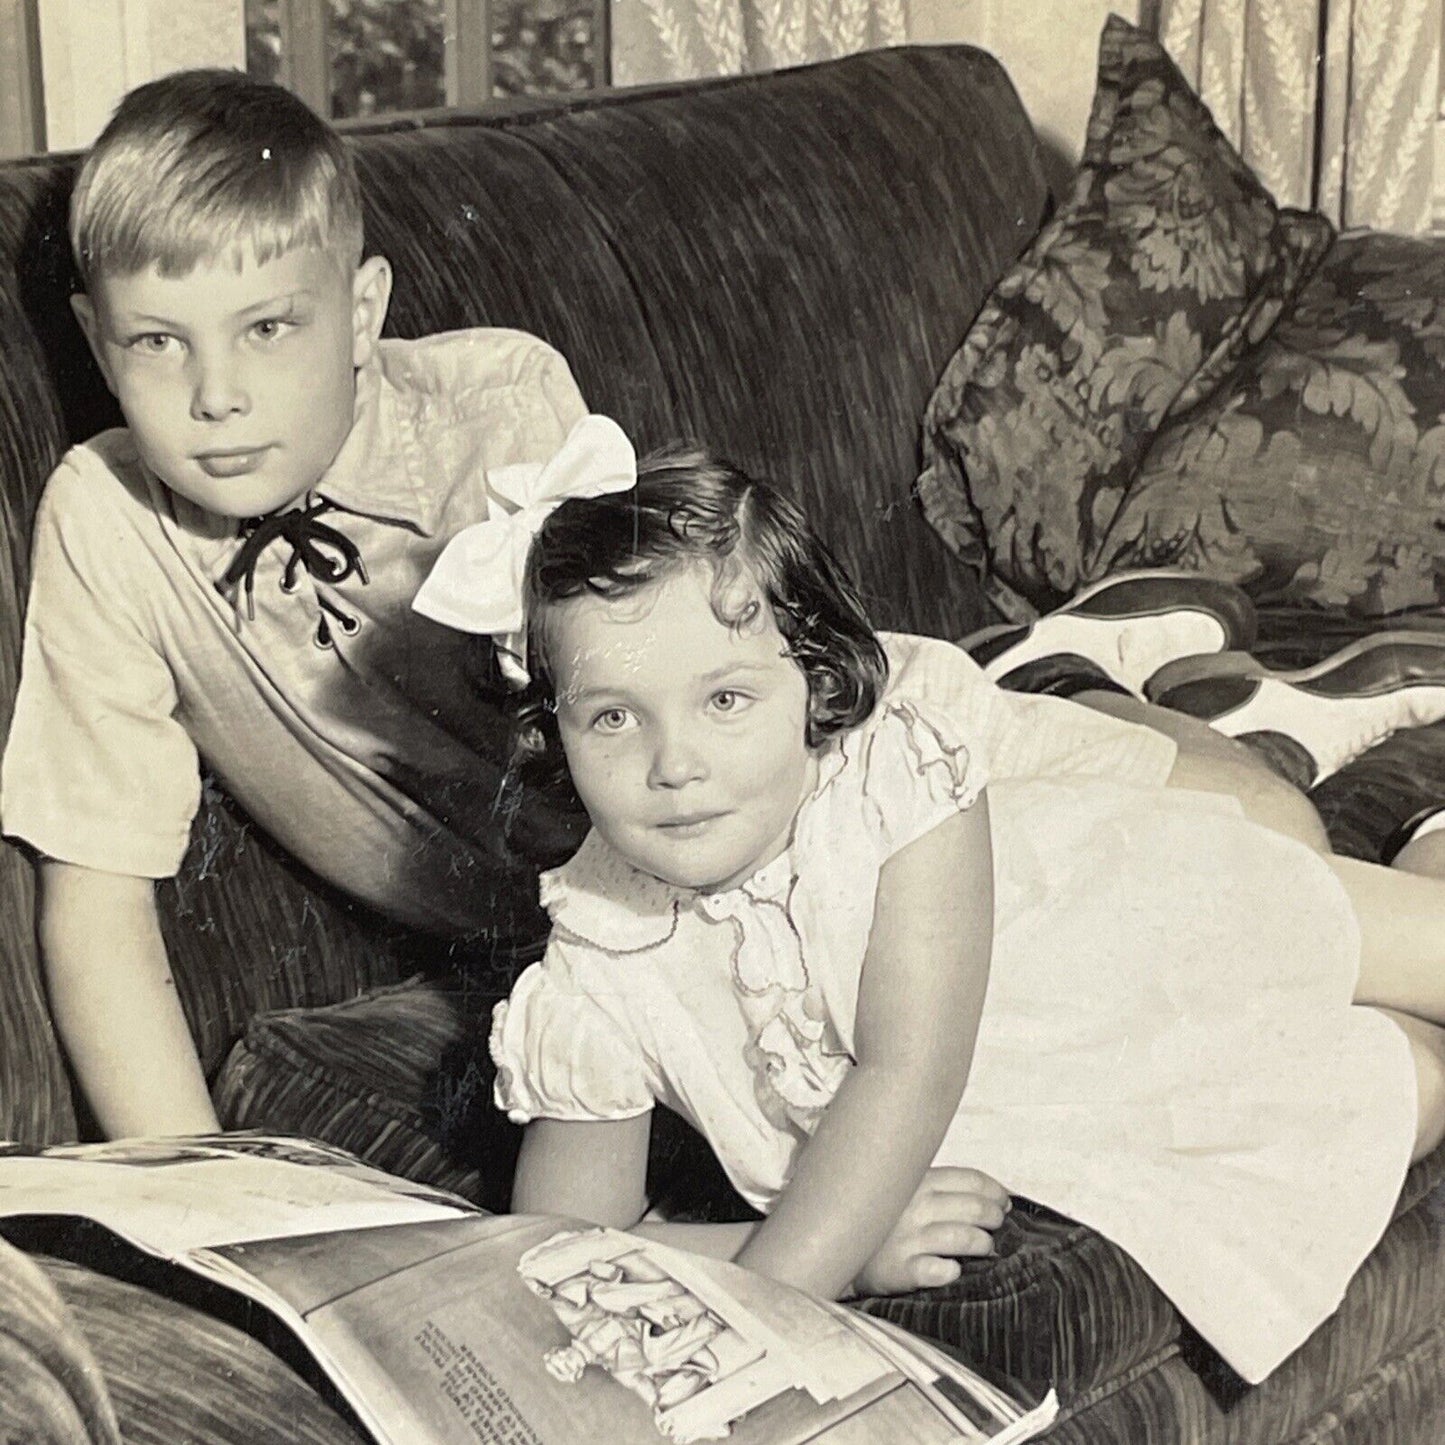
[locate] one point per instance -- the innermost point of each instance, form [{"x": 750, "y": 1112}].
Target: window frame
[{"x": 304, "y": 62}]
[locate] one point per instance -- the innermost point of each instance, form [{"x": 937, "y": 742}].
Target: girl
[{"x": 803, "y": 921}]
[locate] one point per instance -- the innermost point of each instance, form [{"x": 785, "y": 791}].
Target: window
[
  {"x": 367, "y": 57},
  {"x": 64, "y": 66}
]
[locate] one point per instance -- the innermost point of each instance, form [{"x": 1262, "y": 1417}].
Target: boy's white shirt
[{"x": 356, "y": 759}]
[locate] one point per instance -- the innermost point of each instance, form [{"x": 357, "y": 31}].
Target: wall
[
  {"x": 95, "y": 50},
  {"x": 1048, "y": 47},
  {"x": 21, "y": 129}
]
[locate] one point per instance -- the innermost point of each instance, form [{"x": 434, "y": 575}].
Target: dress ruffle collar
[{"x": 600, "y": 900}]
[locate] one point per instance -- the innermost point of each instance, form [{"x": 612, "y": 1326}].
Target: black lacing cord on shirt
[
  {"x": 326, "y": 554},
  {"x": 348, "y": 623}
]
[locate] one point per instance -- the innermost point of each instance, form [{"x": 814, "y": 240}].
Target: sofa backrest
[{"x": 777, "y": 267}]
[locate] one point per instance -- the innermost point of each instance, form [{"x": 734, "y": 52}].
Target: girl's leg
[
  {"x": 1209, "y": 762},
  {"x": 1427, "y": 1043},
  {"x": 1425, "y": 854},
  {"x": 1401, "y": 910},
  {"x": 1402, "y": 937}
]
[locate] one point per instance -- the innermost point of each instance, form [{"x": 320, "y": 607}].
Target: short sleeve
[
  {"x": 560, "y": 1053},
  {"x": 919, "y": 767},
  {"x": 559, "y": 391},
  {"x": 1026, "y": 735},
  {"x": 97, "y": 770}
]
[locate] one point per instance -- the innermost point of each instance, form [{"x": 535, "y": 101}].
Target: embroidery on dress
[
  {"x": 944, "y": 767},
  {"x": 792, "y": 1050},
  {"x": 571, "y": 935}
]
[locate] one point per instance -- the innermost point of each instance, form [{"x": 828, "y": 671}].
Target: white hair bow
[{"x": 475, "y": 584}]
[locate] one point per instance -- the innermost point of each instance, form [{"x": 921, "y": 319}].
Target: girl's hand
[{"x": 951, "y": 1214}]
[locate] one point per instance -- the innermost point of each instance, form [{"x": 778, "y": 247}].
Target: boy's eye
[
  {"x": 151, "y": 343},
  {"x": 611, "y": 720},
  {"x": 272, "y": 327}
]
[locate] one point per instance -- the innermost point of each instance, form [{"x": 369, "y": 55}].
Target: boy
[{"x": 230, "y": 576}]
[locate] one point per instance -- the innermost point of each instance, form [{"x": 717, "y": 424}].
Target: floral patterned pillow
[
  {"x": 1316, "y": 475},
  {"x": 1164, "y": 265}
]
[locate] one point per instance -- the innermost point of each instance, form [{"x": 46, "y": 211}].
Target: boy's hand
[{"x": 951, "y": 1214}]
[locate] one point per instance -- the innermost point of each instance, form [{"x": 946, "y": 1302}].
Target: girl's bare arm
[
  {"x": 588, "y": 1169},
  {"x": 919, "y": 1002},
  {"x": 593, "y": 1172},
  {"x": 598, "y": 1171}
]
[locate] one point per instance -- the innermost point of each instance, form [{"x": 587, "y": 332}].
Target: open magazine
[{"x": 443, "y": 1325}]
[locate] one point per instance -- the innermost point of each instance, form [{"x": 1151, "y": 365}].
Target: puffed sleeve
[
  {"x": 97, "y": 770},
  {"x": 562, "y": 1053}
]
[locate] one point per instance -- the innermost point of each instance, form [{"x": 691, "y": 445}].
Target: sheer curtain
[
  {"x": 1333, "y": 103},
  {"x": 681, "y": 39}
]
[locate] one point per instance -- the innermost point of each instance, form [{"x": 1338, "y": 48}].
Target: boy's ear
[
  {"x": 84, "y": 310},
  {"x": 370, "y": 296}
]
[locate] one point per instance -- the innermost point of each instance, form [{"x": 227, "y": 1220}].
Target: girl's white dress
[{"x": 1168, "y": 1051}]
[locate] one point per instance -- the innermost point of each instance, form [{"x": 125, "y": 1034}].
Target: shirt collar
[{"x": 376, "y": 472}]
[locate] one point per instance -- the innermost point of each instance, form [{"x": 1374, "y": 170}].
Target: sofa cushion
[
  {"x": 1166, "y": 261},
  {"x": 176, "y": 1373},
  {"x": 400, "y": 1077},
  {"x": 840, "y": 223},
  {"x": 1061, "y": 1306},
  {"x": 397, "y": 1077},
  {"x": 1316, "y": 474},
  {"x": 52, "y": 1391}
]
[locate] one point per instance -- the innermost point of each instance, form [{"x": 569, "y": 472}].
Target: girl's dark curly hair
[{"x": 687, "y": 508}]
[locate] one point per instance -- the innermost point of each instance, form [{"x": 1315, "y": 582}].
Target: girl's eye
[
  {"x": 728, "y": 700},
  {"x": 611, "y": 720},
  {"x": 271, "y": 327}
]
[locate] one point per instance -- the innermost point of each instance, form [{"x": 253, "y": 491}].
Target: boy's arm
[
  {"x": 559, "y": 386},
  {"x": 115, "y": 1003},
  {"x": 101, "y": 780}
]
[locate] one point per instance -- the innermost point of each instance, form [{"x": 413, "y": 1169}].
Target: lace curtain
[
  {"x": 656, "y": 40},
  {"x": 1334, "y": 105}
]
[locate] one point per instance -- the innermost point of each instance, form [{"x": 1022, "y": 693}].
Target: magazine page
[
  {"x": 603, "y": 1335},
  {"x": 988, "y": 1410},
  {"x": 442, "y": 1324},
  {"x": 172, "y": 1196}
]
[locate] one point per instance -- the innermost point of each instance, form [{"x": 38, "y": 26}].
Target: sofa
[{"x": 813, "y": 272}]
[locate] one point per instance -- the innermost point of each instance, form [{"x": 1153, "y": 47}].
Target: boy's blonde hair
[{"x": 202, "y": 162}]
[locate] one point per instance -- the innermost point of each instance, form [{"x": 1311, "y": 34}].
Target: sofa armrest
[{"x": 51, "y": 1388}]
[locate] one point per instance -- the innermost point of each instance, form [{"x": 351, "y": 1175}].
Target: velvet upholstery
[
  {"x": 175, "y": 1372},
  {"x": 52, "y": 1390}
]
